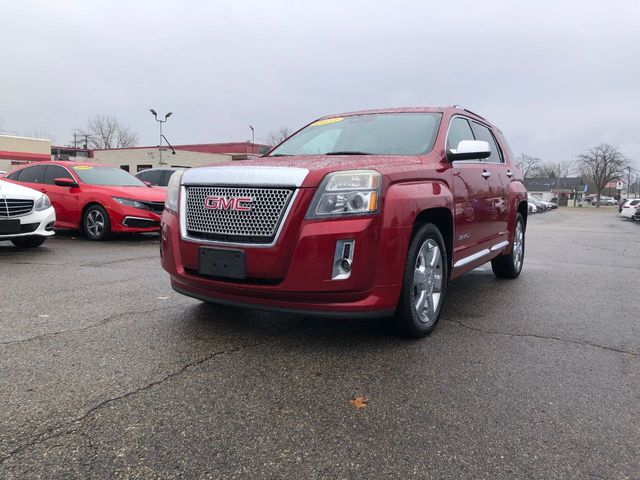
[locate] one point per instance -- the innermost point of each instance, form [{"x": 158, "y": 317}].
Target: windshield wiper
[
  {"x": 348, "y": 152},
  {"x": 280, "y": 155}
]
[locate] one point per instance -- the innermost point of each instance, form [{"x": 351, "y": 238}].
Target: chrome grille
[
  {"x": 257, "y": 225},
  {"x": 14, "y": 207}
]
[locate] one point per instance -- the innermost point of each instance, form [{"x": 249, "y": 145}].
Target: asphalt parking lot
[{"x": 105, "y": 372}]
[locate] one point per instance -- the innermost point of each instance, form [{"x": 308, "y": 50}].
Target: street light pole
[
  {"x": 160, "y": 121},
  {"x": 253, "y": 135}
]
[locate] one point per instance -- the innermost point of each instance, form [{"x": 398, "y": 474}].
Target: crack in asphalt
[
  {"x": 76, "y": 424},
  {"x": 85, "y": 265},
  {"x": 104, "y": 321},
  {"x": 545, "y": 337}
]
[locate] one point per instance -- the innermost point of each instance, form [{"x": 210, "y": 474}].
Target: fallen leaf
[{"x": 359, "y": 402}]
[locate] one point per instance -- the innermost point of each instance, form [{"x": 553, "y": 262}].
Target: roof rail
[{"x": 474, "y": 113}]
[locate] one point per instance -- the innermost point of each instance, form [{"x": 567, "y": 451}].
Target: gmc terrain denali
[{"x": 361, "y": 214}]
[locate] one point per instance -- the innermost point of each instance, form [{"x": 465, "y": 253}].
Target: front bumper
[
  {"x": 126, "y": 219},
  {"x": 295, "y": 274},
  {"x": 34, "y": 224}
]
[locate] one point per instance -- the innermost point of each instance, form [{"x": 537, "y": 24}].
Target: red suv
[
  {"x": 98, "y": 199},
  {"x": 361, "y": 214}
]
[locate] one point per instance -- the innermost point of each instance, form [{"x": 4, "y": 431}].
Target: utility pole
[
  {"x": 628, "y": 182},
  {"x": 155, "y": 115}
]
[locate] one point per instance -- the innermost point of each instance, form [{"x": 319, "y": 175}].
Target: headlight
[
  {"x": 42, "y": 203},
  {"x": 173, "y": 191},
  {"x": 130, "y": 203},
  {"x": 352, "y": 192}
]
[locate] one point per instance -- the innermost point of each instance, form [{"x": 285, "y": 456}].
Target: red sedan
[{"x": 97, "y": 199}]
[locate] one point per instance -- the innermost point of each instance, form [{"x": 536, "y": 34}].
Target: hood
[
  {"x": 147, "y": 194},
  {"x": 8, "y": 189},
  {"x": 316, "y": 165}
]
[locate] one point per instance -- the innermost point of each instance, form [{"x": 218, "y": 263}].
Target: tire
[
  {"x": 96, "y": 223},
  {"x": 424, "y": 284},
  {"x": 510, "y": 265},
  {"x": 28, "y": 242}
]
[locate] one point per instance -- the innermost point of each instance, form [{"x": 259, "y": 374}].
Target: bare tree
[
  {"x": 602, "y": 164},
  {"x": 528, "y": 164},
  {"x": 555, "y": 169},
  {"x": 278, "y": 136},
  {"x": 103, "y": 131}
]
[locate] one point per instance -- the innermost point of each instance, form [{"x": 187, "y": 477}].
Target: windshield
[
  {"x": 377, "y": 134},
  {"x": 106, "y": 176}
]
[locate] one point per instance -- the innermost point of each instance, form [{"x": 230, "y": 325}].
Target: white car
[
  {"x": 629, "y": 208},
  {"x": 26, "y": 215}
]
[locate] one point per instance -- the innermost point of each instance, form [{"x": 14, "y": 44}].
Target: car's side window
[
  {"x": 152, "y": 176},
  {"x": 53, "y": 172},
  {"x": 459, "y": 129},
  {"x": 32, "y": 174},
  {"x": 483, "y": 133}
]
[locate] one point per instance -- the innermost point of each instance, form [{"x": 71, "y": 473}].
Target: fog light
[{"x": 343, "y": 259}]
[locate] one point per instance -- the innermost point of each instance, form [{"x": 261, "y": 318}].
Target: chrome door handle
[
  {"x": 486, "y": 174},
  {"x": 509, "y": 173}
]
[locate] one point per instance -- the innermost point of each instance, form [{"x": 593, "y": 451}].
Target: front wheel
[
  {"x": 510, "y": 265},
  {"x": 28, "y": 242},
  {"x": 96, "y": 223},
  {"x": 424, "y": 284}
]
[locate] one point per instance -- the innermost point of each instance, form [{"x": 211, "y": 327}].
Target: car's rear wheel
[
  {"x": 510, "y": 265},
  {"x": 424, "y": 284},
  {"x": 28, "y": 242},
  {"x": 96, "y": 223}
]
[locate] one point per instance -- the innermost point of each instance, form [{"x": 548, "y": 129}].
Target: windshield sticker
[
  {"x": 82, "y": 167},
  {"x": 327, "y": 121}
]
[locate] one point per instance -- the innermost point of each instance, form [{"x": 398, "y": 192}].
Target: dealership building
[{"x": 20, "y": 150}]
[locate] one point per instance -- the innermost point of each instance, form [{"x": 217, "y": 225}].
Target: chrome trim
[
  {"x": 339, "y": 273},
  {"x": 245, "y": 176},
  {"x": 472, "y": 258},
  {"x": 183, "y": 222},
  {"x": 499, "y": 246}
]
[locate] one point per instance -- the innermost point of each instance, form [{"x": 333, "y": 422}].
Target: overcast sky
[{"x": 556, "y": 76}]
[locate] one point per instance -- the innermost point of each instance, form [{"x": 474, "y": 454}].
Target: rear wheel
[
  {"x": 28, "y": 242},
  {"x": 424, "y": 284},
  {"x": 510, "y": 265},
  {"x": 96, "y": 223}
]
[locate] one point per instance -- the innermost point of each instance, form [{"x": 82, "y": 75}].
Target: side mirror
[
  {"x": 147, "y": 183},
  {"x": 470, "y": 150},
  {"x": 65, "y": 182}
]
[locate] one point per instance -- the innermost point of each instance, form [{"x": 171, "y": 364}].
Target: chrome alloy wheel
[
  {"x": 94, "y": 223},
  {"x": 427, "y": 281},
  {"x": 518, "y": 246}
]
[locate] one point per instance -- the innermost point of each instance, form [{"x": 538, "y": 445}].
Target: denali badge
[{"x": 238, "y": 204}]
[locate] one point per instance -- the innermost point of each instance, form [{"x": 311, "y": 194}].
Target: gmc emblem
[{"x": 237, "y": 204}]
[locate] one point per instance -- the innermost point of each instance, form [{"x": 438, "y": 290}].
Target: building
[
  {"x": 560, "y": 190},
  {"x": 18, "y": 150},
  {"x": 136, "y": 159}
]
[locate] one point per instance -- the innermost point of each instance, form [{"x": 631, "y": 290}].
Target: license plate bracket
[
  {"x": 9, "y": 227},
  {"x": 218, "y": 262}
]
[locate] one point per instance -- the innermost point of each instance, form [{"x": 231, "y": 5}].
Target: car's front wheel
[
  {"x": 28, "y": 242},
  {"x": 510, "y": 265},
  {"x": 96, "y": 223},
  {"x": 424, "y": 284}
]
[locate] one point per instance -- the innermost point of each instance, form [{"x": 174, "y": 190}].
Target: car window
[
  {"x": 459, "y": 129},
  {"x": 154, "y": 177},
  {"x": 106, "y": 176},
  {"x": 483, "y": 133},
  {"x": 372, "y": 134},
  {"x": 53, "y": 172},
  {"x": 166, "y": 177},
  {"x": 32, "y": 174},
  {"x": 14, "y": 175}
]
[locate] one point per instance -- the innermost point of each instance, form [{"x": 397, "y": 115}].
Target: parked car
[
  {"x": 636, "y": 214},
  {"x": 366, "y": 214},
  {"x": 540, "y": 206},
  {"x": 158, "y": 177},
  {"x": 532, "y": 207},
  {"x": 607, "y": 201},
  {"x": 97, "y": 199},
  {"x": 26, "y": 215},
  {"x": 629, "y": 208}
]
